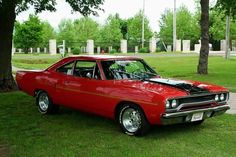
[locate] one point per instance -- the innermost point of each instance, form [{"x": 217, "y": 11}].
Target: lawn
[{"x": 26, "y": 133}]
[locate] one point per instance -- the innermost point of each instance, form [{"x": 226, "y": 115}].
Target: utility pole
[
  {"x": 174, "y": 27},
  {"x": 227, "y": 36},
  {"x": 143, "y": 20}
]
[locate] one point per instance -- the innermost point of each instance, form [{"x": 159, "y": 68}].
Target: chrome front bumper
[{"x": 185, "y": 116}]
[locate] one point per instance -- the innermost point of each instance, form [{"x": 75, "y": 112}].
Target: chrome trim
[
  {"x": 194, "y": 104},
  {"x": 178, "y": 114}
]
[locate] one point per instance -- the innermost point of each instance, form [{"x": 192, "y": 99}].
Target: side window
[
  {"x": 87, "y": 69},
  {"x": 66, "y": 69}
]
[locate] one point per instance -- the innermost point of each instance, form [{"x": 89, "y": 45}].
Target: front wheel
[
  {"x": 132, "y": 120},
  {"x": 45, "y": 104}
]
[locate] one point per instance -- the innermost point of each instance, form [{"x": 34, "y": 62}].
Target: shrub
[
  {"x": 113, "y": 51},
  {"x": 76, "y": 51},
  {"x": 143, "y": 50}
]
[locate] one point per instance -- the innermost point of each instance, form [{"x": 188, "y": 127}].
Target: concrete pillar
[
  {"x": 98, "y": 50},
  {"x": 123, "y": 46},
  {"x": 90, "y": 47},
  {"x": 186, "y": 45},
  {"x": 13, "y": 50},
  {"x": 197, "y": 48},
  {"x": 169, "y": 48},
  {"x": 233, "y": 45},
  {"x": 20, "y": 50},
  {"x": 45, "y": 50},
  {"x": 222, "y": 45},
  {"x": 69, "y": 49},
  {"x": 31, "y": 50},
  {"x": 152, "y": 45},
  {"x": 83, "y": 49},
  {"x": 52, "y": 47},
  {"x": 178, "y": 45},
  {"x": 38, "y": 50},
  {"x": 136, "y": 49}
]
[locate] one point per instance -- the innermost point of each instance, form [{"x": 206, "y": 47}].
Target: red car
[{"x": 125, "y": 89}]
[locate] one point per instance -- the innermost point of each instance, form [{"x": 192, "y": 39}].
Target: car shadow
[{"x": 157, "y": 131}]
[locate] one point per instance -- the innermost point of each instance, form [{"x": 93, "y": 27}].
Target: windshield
[{"x": 127, "y": 69}]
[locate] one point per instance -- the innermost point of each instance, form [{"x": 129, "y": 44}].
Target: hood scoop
[{"x": 183, "y": 85}]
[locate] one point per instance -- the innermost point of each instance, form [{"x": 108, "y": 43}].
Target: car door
[
  {"x": 67, "y": 85},
  {"x": 92, "y": 86}
]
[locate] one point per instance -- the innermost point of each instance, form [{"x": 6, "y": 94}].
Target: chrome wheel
[
  {"x": 43, "y": 102},
  {"x": 131, "y": 120}
]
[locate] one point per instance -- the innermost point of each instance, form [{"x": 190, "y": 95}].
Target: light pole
[
  {"x": 174, "y": 27},
  {"x": 143, "y": 23}
]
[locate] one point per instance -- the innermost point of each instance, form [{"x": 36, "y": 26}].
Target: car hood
[{"x": 172, "y": 87}]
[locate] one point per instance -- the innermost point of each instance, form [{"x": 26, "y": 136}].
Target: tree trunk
[
  {"x": 204, "y": 52},
  {"x": 7, "y": 19}
]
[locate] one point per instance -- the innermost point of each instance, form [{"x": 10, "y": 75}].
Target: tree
[
  {"x": 48, "y": 33},
  {"x": 228, "y": 8},
  {"x": 187, "y": 25},
  {"x": 204, "y": 52},
  {"x": 8, "y": 12},
  {"x": 66, "y": 32},
  {"x": 110, "y": 33},
  {"x": 135, "y": 26},
  {"x": 29, "y": 34},
  {"x": 86, "y": 28}
]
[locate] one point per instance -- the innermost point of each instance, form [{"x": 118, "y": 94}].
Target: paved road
[{"x": 232, "y": 103}]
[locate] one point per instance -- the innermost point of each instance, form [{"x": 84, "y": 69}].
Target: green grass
[{"x": 70, "y": 133}]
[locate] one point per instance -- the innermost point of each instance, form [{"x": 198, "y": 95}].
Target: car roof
[
  {"x": 104, "y": 57},
  {"x": 91, "y": 58}
]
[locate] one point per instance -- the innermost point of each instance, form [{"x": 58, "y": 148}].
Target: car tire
[
  {"x": 132, "y": 120},
  {"x": 45, "y": 104}
]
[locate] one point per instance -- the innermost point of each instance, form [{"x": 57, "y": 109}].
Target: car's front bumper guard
[{"x": 185, "y": 116}]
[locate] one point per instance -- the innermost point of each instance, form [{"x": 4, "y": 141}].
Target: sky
[{"x": 125, "y": 8}]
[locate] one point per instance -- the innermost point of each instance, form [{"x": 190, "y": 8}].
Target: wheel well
[
  {"x": 120, "y": 105},
  {"x": 37, "y": 91}
]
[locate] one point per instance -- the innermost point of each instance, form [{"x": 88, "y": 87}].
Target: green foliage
[
  {"x": 66, "y": 31},
  {"x": 187, "y": 25},
  {"x": 76, "y": 51},
  {"x": 135, "y": 28},
  {"x": 143, "y": 50},
  {"x": 48, "y": 33},
  {"x": 110, "y": 34},
  {"x": 227, "y": 7},
  {"x": 112, "y": 51},
  {"x": 29, "y": 34},
  {"x": 86, "y": 28},
  {"x": 85, "y": 7}
]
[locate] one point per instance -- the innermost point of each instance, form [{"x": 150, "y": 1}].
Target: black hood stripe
[{"x": 190, "y": 88}]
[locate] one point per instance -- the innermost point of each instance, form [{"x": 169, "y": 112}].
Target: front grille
[{"x": 196, "y": 99}]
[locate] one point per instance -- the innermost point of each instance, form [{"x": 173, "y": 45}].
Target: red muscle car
[{"x": 125, "y": 89}]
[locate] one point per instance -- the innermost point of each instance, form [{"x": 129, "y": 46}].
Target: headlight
[
  {"x": 167, "y": 104},
  {"x": 222, "y": 97},
  {"x": 217, "y": 98},
  {"x": 174, "y": 103}
]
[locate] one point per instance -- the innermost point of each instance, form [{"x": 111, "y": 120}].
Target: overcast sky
[{"x": 126, "y": 9}]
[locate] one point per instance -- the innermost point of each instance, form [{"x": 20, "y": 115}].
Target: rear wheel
[
  {"x": 45, "y": 104},
  {"x": 132, "y": 120}
]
